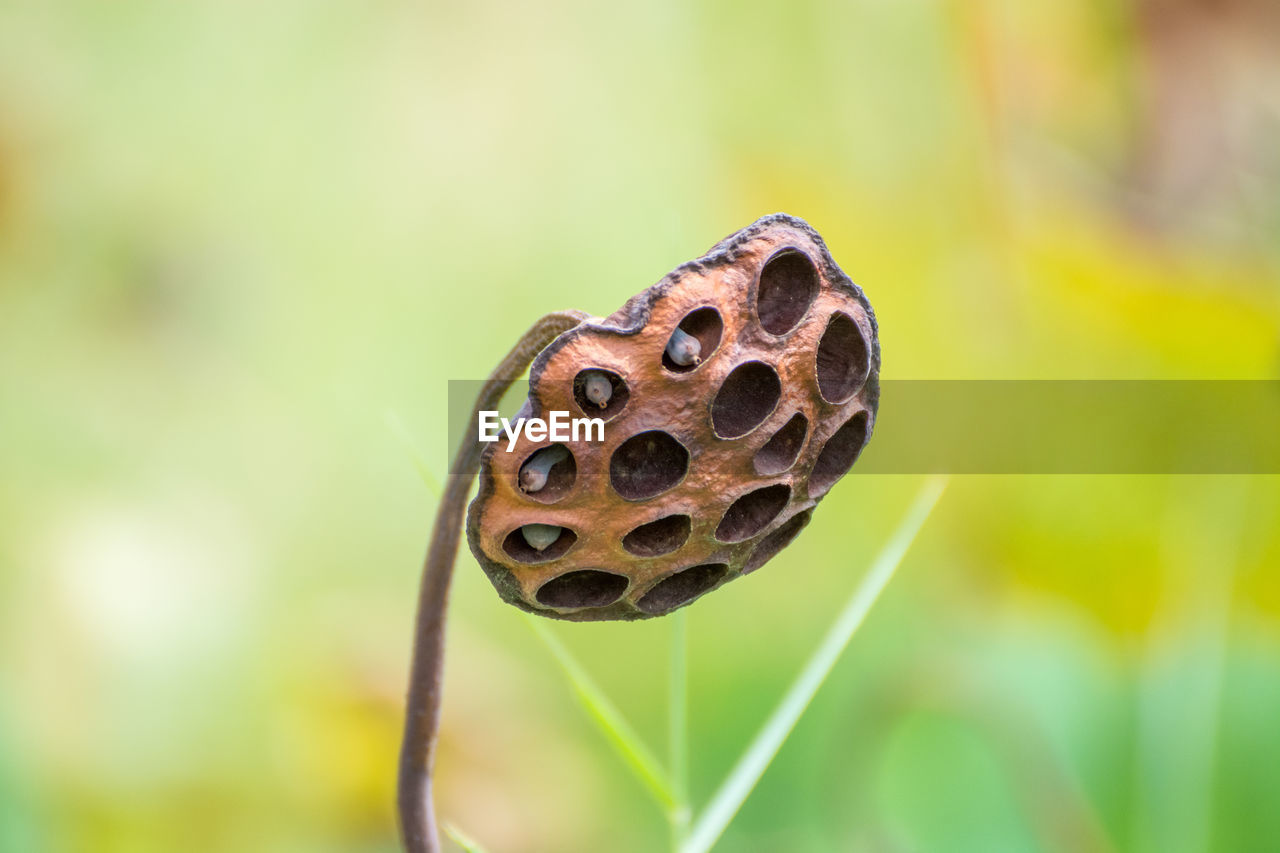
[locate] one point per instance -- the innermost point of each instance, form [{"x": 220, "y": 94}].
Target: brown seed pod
[{"x": 742, "y": 386}]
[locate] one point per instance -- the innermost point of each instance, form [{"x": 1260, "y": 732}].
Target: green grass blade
[
  {"x": 747, "y": 772},
  {"x": 678, "y": 728},
  {"x": 616, "y": 730},
  {"x": 460, "y": 838},
  {"x": 398, "y": 429}
]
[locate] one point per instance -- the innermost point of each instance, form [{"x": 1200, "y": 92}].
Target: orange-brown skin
[{"x": 630, "y": 343}]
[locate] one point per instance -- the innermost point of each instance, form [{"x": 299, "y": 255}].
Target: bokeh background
[{"x": 243, "y": 247}]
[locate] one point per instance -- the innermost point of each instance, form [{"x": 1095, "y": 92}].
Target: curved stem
[{"x": 422, "y": 715}]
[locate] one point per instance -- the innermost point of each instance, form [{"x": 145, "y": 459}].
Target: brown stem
[{"x": 422, "y": 716}]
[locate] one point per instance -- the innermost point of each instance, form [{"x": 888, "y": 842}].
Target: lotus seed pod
[
  {"x": 710, "y": 465},
  {"x": 540, "y": 536},
  {"x": 597, "y": 388},
  {"x": 683, "y": 348},
  {"x": 533, "y": 476}
]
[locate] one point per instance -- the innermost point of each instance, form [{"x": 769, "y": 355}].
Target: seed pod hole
[
  {"x": 548, "y": 474},
  {"x": 749, "y": 394},
  {"x": 838, "y": 455},
  {"x": 705, "y": 327},
  {"x": 681, "y": 588},
  {"x": 658, "y": 537},
  {"x": 752, "y": 512},
  {"x": 647, "y": 464},
  {"x": 594, "y": 384},
  {"x": 583, "y": 588},
  {"x": 518, "y": 547},
  {"x": 779, "y": 453},
  {"x": 788, "y": 286},
  {"x": 843, "y": 359},
  {"x": 772, "y": 544}
]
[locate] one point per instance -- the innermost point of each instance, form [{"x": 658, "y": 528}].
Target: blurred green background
[{"x": 240, "y": 242}]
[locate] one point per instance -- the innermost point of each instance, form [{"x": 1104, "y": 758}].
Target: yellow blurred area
[{"x": 237, "y": 239}]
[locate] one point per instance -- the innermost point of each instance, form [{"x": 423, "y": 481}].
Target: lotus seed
[
  {"x": 683, "y": 348},
  {"x": 597, "y": 387},
  {"x": 540, "y": 536},
  {"x": 533, "y": 476}
]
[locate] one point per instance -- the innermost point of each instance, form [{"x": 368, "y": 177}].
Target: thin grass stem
[
  {"x": 397, "y": 427},
  {"x": 460, "y": 838},
  {"x": 729, "y": 798},
  {"x": 621, "y": 736}
]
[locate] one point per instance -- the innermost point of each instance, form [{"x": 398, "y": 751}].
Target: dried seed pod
[{"x": 704, "y": 474}]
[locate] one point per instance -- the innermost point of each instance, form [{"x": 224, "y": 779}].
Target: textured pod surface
[{"x": 706, "y": 470}]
